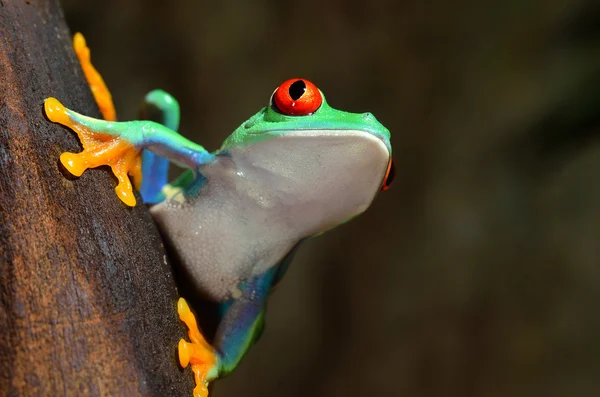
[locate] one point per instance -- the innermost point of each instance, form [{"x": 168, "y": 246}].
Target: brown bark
[{"x": 87, "y": 301}]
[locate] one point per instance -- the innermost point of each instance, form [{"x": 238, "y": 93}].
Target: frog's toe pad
[
  {"x": 80, "y": 47},
  {"x": 55, "y": 111},
  {"x": 73, "y": 163},
  {"x": 184, "y": 353},
  {"x": 201, "y": 390}
]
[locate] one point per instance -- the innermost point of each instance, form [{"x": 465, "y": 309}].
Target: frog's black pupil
[
  {"x": 297, "y": 89},
  {"x": 391, "y": 175}
]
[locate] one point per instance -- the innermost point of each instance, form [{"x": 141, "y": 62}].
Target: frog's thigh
[
  {"x": 242, "y": 323},
  {"x": 239, "y": 328}
]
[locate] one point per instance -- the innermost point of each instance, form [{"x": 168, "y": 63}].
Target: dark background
[{"x": 478, "y": 273}]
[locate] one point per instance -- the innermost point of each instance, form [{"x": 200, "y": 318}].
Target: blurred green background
[{"x": 478, "y": 272}]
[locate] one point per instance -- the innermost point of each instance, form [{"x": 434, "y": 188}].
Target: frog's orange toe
[
  {"x": 184, "y": 353},
  {"x": 125, "y": 166},
  {"x": 126, "y": 195},
  {"x": 182, "y": 307},
  {"x": 56, "y": 112},
  {"x": 80, "y": 46},
  {"x": 201, "y": 390},
  {"x": 73, "y": 163}
]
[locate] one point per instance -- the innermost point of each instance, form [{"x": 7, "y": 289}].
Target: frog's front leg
[
  {"x": 118, "y": 144},
  {"x": 238, "y": 329}
]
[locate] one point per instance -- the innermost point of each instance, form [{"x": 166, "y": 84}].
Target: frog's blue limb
[
  {"x": 272, "y": 278},
  {"x": 240, "y": 326},
  {"x": 155, "y": 175},
  {"x": 161, "y": 107},
  {"x": 243, "y": 322}
]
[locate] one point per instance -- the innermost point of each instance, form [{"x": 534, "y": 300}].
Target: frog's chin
[{"x": 315, "y": 178}]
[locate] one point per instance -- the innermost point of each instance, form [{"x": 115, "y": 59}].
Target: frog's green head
[
  {"x": 316, "y": 148},
  {"x": 298, "y": 104},
  {"x": 298, "y": 107}
]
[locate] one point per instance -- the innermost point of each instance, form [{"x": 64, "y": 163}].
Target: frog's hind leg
[
  {"x": 97, "y": 148},
  {"x": 162, "y": 108},
  {"x": 198, "y": 352},
  {"x": 240, "y": 326},
  {"x": 96, "y": 82},
  {"x": 158, "y": 106}
]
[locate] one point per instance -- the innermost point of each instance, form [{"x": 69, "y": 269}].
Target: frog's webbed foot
[
  {"x": 199, "y": 353},
  {"x": 102, "y": 145}
]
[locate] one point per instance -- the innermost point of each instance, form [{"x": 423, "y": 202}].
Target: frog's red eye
[
  {"x": 389, "y": 176},
  {"x": 297, "y": 97}
]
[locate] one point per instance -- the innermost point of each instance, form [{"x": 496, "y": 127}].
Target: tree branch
[{"x": 87, "y": 300}]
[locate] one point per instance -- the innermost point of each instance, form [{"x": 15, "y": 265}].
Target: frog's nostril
[{"x": 368, "y": 117}]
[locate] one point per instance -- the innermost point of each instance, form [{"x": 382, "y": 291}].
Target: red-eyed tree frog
[{"x": 295, "y": 169}]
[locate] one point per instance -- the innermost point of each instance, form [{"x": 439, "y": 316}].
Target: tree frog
[{"x": 295, "y": 169}]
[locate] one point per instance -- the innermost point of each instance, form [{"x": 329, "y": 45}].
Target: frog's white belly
[
  {"x": 259, "y": 201},
  {"x": 221, "y": 240}
]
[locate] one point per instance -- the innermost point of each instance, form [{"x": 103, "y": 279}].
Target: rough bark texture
[{"x": 87, "y": 301}]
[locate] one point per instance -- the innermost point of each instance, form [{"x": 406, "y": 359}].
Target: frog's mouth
[
  {"x": 365, "y": 131},
  {"x": 367, "y": 134}
]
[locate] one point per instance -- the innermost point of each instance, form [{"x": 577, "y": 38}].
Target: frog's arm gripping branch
[{"x": 118, "y": 145}]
